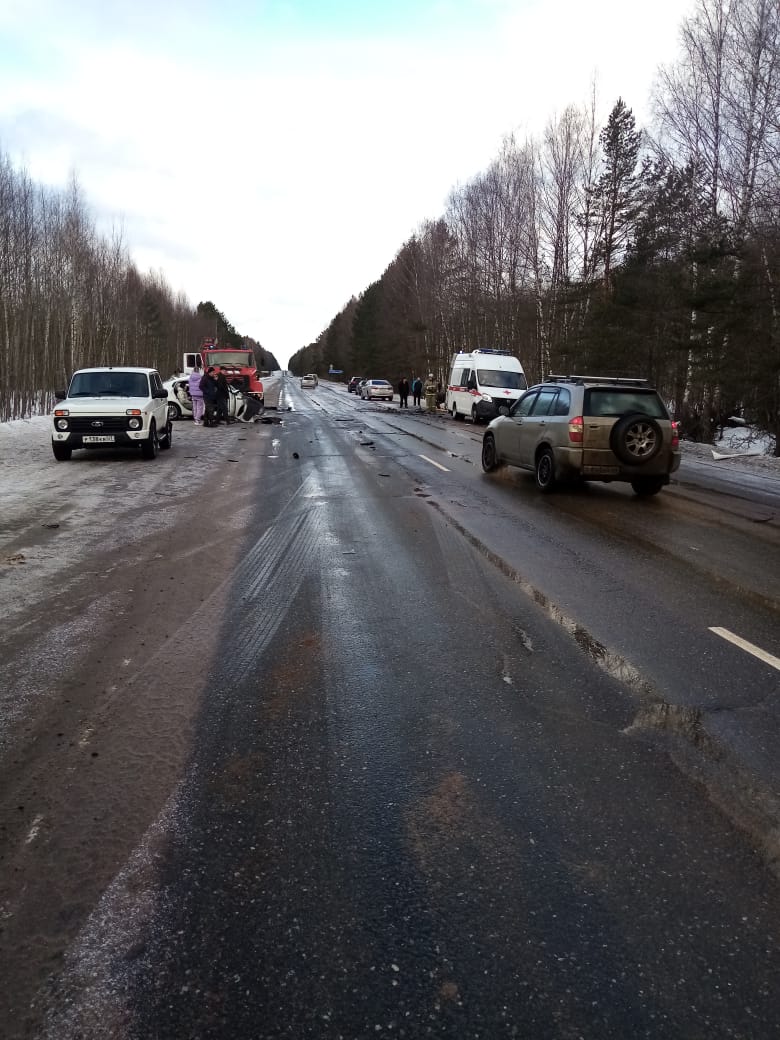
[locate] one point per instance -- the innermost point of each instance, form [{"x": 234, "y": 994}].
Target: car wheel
[
  {"x": 474, "y": 416},
  {"x": 174, "y": 412},
  {"x": 455, "y": 413},
  {"x": 490, "y": 459},
  {"x": 646, "y": 486},
  {"x": 167, "y": 441},
  {"x": 61, "y": 451},
  {"x": 636, "y": 439},
  {"x": 545, "y": 470},
  {"x": 151, "y": 445}
]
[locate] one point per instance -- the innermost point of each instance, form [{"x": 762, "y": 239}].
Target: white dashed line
[
  {"x": 751, "y": 648},
  {"x": 436, "y": 464}
]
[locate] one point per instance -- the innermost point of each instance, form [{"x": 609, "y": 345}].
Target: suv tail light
[
  {"x": 576, "y": 428},
  {"x": 675, "y": 435}
]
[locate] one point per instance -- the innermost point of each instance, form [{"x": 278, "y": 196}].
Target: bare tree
[{"x": 560, "y": 189}]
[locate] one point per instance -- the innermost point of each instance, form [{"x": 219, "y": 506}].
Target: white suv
[{"x": 111, "y": 408}]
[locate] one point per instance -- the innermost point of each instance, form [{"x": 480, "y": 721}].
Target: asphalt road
[{"x": 310, "y": 729}]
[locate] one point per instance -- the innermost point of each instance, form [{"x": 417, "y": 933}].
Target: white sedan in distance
[{"x": 376, "y": 390}]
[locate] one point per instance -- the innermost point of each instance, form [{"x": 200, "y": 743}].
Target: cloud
[{"x": 265, "y": 152}]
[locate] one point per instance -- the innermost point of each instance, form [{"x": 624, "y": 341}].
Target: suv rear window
[{"x": 612, "y": 401}]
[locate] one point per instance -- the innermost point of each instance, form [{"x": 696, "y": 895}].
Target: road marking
[
  {"x": 743, "y": 644},
  {"x": 436, "y": 464},
  {"x": 32, "y": 834}
]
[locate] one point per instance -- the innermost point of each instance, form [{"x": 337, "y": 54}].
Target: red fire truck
[{"x": 237, "y": 363}]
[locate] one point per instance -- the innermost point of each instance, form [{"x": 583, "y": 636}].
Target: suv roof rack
[{"x": 609, "y": 380}]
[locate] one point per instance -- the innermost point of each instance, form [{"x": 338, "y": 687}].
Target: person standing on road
[
  {"x": 208, "y": 387},
  {"x": 403, "y": 392},
  {"x": 223, "y": 394},
  {"x": 417, "y": 391},
  {"x": 196, "y": 394}
]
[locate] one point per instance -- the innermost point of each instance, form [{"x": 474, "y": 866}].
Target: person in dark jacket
[
  {"x": 417, "y": 391},
  {"x": 223, "y": 394},
  {"x": 403, "y": 392},
  {"x": 208, "y": 387}
]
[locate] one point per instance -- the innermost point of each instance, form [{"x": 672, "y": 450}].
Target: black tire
[
  {"x": 61, "y": 451},
  {"x": 474, "y": 416},
  {"x": 455, "y": 413},
  {"x": 636, "y": 439},
  {"x": 490, "y": 459},
  {"x": 167, "y": 440},
  {"x": 151, "y": 446},
  {"x": 174, "y": 411},
  {"x": 545, "y": 470},
  {"x": 646, "y": 486}
]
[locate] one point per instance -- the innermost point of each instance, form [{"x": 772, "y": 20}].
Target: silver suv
[
  {"x": 110, "y": 408},
  {"x": 587, "y": 428}
]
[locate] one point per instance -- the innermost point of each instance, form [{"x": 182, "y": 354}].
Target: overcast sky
[{"x": 342, "y": 124}]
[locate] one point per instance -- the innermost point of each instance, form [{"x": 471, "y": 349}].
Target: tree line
[
  {"x": 610, "y": 250},
  {"x": 71, "y": 297}
]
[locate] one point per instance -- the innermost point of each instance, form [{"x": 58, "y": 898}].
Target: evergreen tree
[
  {"x": 219, "y": 326},
  {"x": 615, "y": 197}
]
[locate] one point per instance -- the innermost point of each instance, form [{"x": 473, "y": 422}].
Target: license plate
[
  {"x": 103, "y": 438},
  {"x": 601, "y": 471}
]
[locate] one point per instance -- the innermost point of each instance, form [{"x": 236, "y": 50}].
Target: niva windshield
[
  {"x": 109, "y": 384},
  {"x": 506, "y": 380}
]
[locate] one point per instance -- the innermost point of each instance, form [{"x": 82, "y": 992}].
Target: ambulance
[{"x": 484, "y": 384}]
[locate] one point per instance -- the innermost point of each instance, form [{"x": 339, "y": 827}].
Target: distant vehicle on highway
[
  {"x": 376, "y": 390},
  {"x": 309, "y": 382},
  {"x": 354, "y": 383}
]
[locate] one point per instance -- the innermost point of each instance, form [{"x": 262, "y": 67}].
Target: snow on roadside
[{"x": 751, "y": 451}]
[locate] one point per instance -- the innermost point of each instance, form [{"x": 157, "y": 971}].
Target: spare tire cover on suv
[{"x": 636, "y": 439}]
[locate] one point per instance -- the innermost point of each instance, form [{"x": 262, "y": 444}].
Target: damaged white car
[{"x": 241, "y": 406}]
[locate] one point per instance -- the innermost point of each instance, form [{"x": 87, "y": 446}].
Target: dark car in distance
[{"x": 352, "y": 385}]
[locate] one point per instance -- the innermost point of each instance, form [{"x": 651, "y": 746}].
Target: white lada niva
[{"x": 112, "y": 408}]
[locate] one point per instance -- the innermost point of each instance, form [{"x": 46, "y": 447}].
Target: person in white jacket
[{"x": 197, "y": 395}]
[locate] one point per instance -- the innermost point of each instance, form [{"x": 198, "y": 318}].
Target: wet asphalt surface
[{"x": 411, "y": 808}]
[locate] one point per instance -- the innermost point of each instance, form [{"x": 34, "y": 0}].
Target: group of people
[
  {"x": 210, "y": 393},
  {"x": 416, "y": 388}
]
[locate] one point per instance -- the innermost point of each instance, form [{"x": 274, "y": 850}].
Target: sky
[{"x": 273, "y": 156}]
